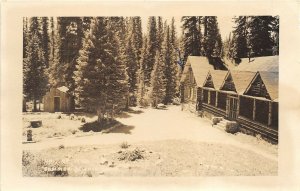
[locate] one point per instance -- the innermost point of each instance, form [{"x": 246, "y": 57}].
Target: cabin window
[
  {"x": 262, "y": 111},
  {"x": 274, "y": 122},
  {"x": 222, "y": 100},
  {"x": 212, "y": 98},
  {"x": 246, "y": 107}
]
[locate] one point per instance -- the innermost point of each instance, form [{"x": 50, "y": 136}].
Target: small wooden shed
[{"x": 57, "y": 100}]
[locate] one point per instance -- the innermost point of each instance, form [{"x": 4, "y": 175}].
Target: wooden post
[
  {"x": 270, "y": 114},
  {"x": 254, "y": 109},
  {"x": 238, "y": 106},
  {"x": 216, "y": 103},
  {"x": 208, "y": 97}
]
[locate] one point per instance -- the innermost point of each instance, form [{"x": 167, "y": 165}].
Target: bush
[
  {"x": 131, "y": 155},
  {"x": 27, "y": 158},
  {"x": 124, "y": 145},
  {"x": 61, "y": 147}
]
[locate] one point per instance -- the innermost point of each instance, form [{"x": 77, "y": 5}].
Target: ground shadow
[
  {"x": 134, "y": 111},
  {"x": 111, "y": 127},
  {"x": 126, "y": 129},
  {"x": 123, "y": 115}
]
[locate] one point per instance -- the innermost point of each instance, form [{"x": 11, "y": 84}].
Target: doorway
[
  {"x": 56, "y": 104},
  {"x": 232, "y": 108}
]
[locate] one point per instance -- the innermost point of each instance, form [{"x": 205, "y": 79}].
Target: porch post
[
  {"x": 216, "y": 103},
  {"x": 254, "y": 109},
  {"x": 270, "y": 114},
  {"x": 208, "y": 99}
]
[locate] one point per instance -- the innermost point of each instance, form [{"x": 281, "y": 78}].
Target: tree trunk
[
  {"x": 39, "y": 105},
  {"x": 100, "y": 115},
  {"x": 34, "y": 105},
  {"x": 24, "y": 105}
]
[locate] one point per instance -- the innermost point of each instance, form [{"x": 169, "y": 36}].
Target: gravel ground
[
  {"x": 181, "y": 143},
  {"x": 159, "y": 158}
]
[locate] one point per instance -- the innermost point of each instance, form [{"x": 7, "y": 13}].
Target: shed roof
[
  {"x": 241, "y": 80},
  {"x": 270, "y": 79},
  {"x": 265, "y": 63},
  {"x": 200, "y": 67},
  {"x": 218, "y": 77},
  {"x": 63, "y": 89}
]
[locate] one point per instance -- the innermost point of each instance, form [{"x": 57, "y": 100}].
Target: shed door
[
  {"x": 232, "y": 107},
  {"x": 56, "y": 104}
]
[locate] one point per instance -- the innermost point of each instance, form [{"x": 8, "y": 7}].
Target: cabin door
[
  {"x": 56, "y": 104},
  {"x": 232, "y": 108}
]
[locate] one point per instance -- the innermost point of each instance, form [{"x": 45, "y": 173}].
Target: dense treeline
[
  {"x": 109, "y": 64},
  {"x": 253, "y": 36}
]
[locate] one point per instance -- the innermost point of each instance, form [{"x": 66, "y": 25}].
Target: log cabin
[
  {"x": 247, "y": 93},
  {"x": 192, "y": 79},
  {"x": 57, "y": 100}
]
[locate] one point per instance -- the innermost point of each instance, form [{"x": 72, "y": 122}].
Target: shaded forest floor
[{"x": 143, "y": 142}]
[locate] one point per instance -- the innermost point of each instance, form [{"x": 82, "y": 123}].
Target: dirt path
[{"x": 158, "y": 125}]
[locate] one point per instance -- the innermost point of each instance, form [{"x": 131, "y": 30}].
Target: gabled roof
[
  {"x": 265, "y": 63},
  {"x": 270, "y": 80},
  {"x": 218, "y": 77},
  {"x": 63, "y": 89},
  {"x": 200, "y": 67},
  {"x": 241, "y": 80}
]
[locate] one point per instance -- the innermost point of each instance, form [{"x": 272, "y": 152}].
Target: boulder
[
  {"x": 232, "y": 127},
  {"x": 216, "y": 120},
  {"x": 35, "y": 123}
]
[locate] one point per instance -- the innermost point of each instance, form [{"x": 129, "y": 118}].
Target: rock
[
  {"x": 82, "y": 120},
  {"x": 35, "y": 123},
  {"x": 112, "y": 164},
  {"x": 216, "y": 120},
  {"x": 72, "y": 116},
  {"x": 161, "y": 106},
  {"x": 232, "y": 127},
  {"x": 119, "y": 151}
]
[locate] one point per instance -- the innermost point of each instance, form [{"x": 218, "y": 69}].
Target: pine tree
[
  {"x": 55, "y": 70},
  {"x": 160, "y": 34},
  {"x": 157, "y": 91},
  {"x": 45, "y": 39},
  {"x": 191, "y": 36},
  {"x": 35, "y": 79},
  {"x": 141, "y": 93},
  {"x": 152, "y": 48},
  {"x": 260, "y": 41},
  {"x": 95, "y": 90},
  {"x": 239, "y": 47},
  {"x": 212, "y": 42},
  {"x": 170, "y": 72},
  {"x": 137, "y": 36}
]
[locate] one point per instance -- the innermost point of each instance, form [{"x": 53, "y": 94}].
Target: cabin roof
[
  {"x": 270, "y": 80},
  {"x": 63, "y": 89},
  {"x": 218, "y": 77},
  {"x": 241, "y": 80},
  {"x": 265, "y": 63},
  {"x": 200, "y": 67}
]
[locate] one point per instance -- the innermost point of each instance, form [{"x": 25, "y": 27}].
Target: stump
[
  {"x": 29, "y": 135},
  {"x": 36, "y": 123}
]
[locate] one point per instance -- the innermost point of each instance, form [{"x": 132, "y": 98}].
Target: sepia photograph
[{"x": 150, "y": 96}]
